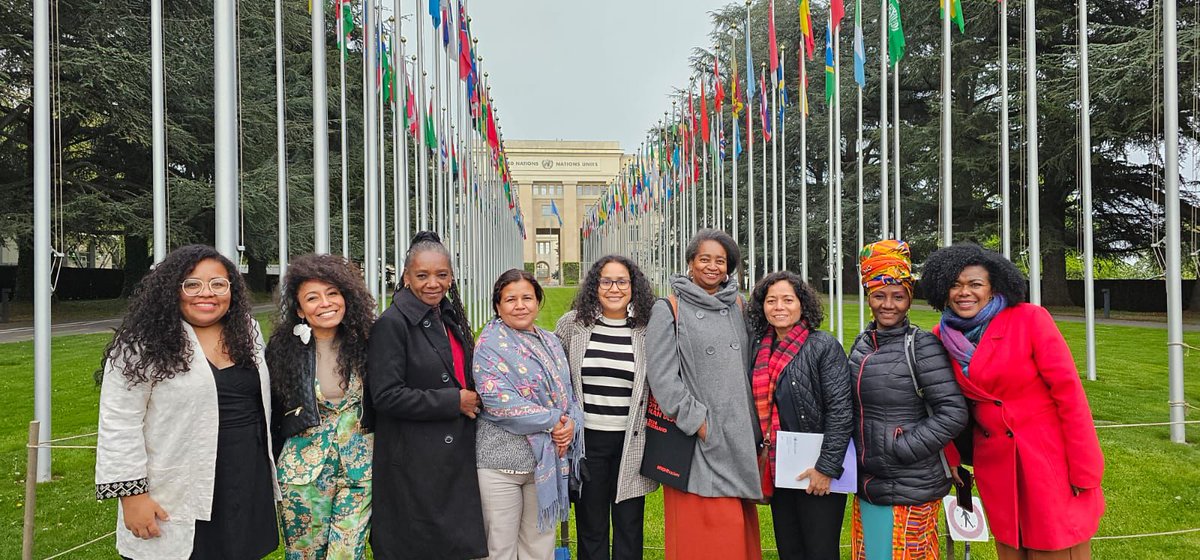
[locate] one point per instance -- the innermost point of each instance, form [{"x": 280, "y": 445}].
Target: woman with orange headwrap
[{"x": 907, "y": 408}]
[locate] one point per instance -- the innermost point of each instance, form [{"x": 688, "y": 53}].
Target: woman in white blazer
[{"x": 184, "y": 402}]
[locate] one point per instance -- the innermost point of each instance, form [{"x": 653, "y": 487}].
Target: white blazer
[{"x": 162, "y": 439}]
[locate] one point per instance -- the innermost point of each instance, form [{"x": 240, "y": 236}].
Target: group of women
[{"x": 410, "y": 434}]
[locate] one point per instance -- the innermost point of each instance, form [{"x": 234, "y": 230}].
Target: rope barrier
[
  {"x": 1146, "y": 424},
  {"x": 86, "y": 544},
  {"x": 45, "y": 446},
  {"x": 68, "y": 438}
]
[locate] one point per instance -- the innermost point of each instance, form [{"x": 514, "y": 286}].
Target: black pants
[
  {"x": 807, "y": 527},
  {"x": 592, "y": 510}
]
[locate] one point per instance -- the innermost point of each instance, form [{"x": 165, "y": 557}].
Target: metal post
[
  {"x": 883, "y": 120},
  {"x": 280, "y": 142},
  {"x": 225, "y": 139},
  {"x": 1005, "y": 187},
  {"x": 320, "y": 135},
  {"x": 158, "y": 134},
  {"x": 371, "y": 145},
  {"x": 1031, "y": 148},
  {"x": 31, "y": 480},
  {"x": 947, "y": 177},
  {"x": 41, "y": 230},
  {"x": 1174, "y": 269},
  {"x": 804, "y": 167},
  {"x": 896, "y": 147},
  {"x": 345, "y": 136},
  {"x": 1085, "y": 151}
]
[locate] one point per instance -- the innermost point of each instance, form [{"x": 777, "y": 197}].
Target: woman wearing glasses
[
  {"x": 184, "y": 401},
  {"x": 604, "y": 334}
]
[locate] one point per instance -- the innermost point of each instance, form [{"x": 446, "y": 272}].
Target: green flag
[
  {"x": 895, "y": 32},
  {"x": 956, "y": 15},
  {"x": 430, "y": 132}
]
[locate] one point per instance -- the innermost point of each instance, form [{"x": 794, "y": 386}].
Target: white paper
[
  {"x": 965, "y": 526},
  {"x": 796, "y": 452}
]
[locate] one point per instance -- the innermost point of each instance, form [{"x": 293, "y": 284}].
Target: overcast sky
[{"x": 587, "y": 70}]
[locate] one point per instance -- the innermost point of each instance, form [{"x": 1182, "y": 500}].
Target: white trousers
[{"x": 510, "y": 514}]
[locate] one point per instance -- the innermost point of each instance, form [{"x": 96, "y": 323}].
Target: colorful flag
[
  {"x": 803, "y": 84},
  {"x": 703, "y": 111},
  {"x": 772, "y": 45},
  {"x": 718, "y": 91},
  {"x": 410, "y": 112},
  {"x": 749, "y": 64},
  {"x": 435, "y": 12},
  {"x": 860, "y": 56},
  {"x": 762, "y": 106},
  {"x": 806, "y": 29},
  {"x": 466, "y": 60},
  {"x": 836, "y": 12},
  {"x": 734, "y": 98},
  {"x": 956, "y": 15},
  {"x": 446, "y": 28},
  {"x": 737, "y": 140},
  {"x": 345, "y": 15},
  {"x": 829, "y": 74},
  {"x": 431, "y": 141},
  {"x": 895, "y": 32}
]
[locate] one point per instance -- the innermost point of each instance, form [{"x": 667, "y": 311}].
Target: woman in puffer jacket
[{"x": 907, "y": 408}]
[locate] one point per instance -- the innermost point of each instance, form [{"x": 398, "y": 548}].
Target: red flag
[
  {"x": 836, "y": 12},
  {"x": 410, "y": 108},
  {"x": 464, "y": 44},
  {"x": 771, "y": 43},
  {"x": 703, "y": 112},
  {"x": 719, "y": 95}
]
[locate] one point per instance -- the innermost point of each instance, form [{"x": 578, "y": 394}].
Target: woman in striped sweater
[{"x": 604, "y": 336}]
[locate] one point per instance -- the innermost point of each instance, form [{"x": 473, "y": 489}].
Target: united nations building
[{"x": 558, "y": 181}]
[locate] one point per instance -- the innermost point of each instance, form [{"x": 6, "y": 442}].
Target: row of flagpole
[{"x": 660, "y": 186}]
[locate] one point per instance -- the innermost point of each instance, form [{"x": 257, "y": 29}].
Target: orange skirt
[{"x": 700, "y": 528}]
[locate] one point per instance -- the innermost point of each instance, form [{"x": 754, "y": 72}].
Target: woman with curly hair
[
  {"x": 604, "y": 334},
  {"x": 426, "y": 491},
  {"x": 697, "y": 348},
  {"x": 184, "y": 401},
  {"x": 317, "y": 357},
  {"x": 800, "y": 381},
  {"x": 908, "y": 409},
  {"x": 1037, "y": 460}
]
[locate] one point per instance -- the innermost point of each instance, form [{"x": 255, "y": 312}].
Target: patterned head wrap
[{"x": 887, "y": 262}]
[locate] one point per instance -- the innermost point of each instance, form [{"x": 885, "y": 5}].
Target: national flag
[
  {"x": 783, "y": 92},
  {"x": 435, "y": 12},
  {"x": 895, "y": 31},
  {"x": 410, "y": 112},
  {"x": 737, "y": 140},
  {"x": 749, "y": 64},
  {"x": 446, "y": 28},
  {"x": 345, "y": 15},
  {"x": 806, "y": 29},
  {"x": 703, "y": 110},
  {"x": 734, "y": 98},
  {"x": 829, "y": 74},
  {"x": 860, "y": 55},
  {"x": 956, "y": 15},
  {"x": 431, "y": 141},
  {"x": 718, "y": 91},
  {"x": 762, "y": 106},
  {"x": 384, "y": 74},
  {"x": 836, "y": 12},
  {"x": 803, "y": 85},
  {"x": 772, "y": 45},
  {"x": 466, "y": 60}
]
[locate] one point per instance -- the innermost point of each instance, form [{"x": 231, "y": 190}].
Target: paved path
[{"x": 22, "y": 331}]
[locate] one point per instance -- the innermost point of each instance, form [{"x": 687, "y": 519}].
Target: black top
[{"x": 239, "y": 396}]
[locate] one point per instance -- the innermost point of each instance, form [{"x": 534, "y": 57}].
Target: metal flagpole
[
  {"x": 766, "y": 221},
  {"x": 403, "y": 219},
  {"x": 750, "y": 153},
  {"x": 704, "y": 156},
  {"x": 159, "y": 136},
  {"x": 345, "y": 136},
  {"x": 422, "y": 151},
  {"x": 803, "y": 166},
  {"x": 774, "y": 172},
  {"x": 1005, "y": 187},
  {"x": 42, "y": 258},
  {"x": 830, "y": 180},
  {"x": 1031, "y": 148},
  {"x": 734, "y": 159},
  {"x": 884, "y": 230},
  {"x": 1085, "y": 151},
  {"x": 371, "y": 145},
  {"x": 692, "y": 195},
  {"x": 1174, "y": 271},
  {"x": 837, "y": 145},
  {"x": 783, "y": 222},
  {"x": 861, "y": 241},
  {"x": 896, "y": 147},
  {"x": 320, "y": 135},
  {"x": 280, "y": 142},
  {"x": 379, "y": 230},
  {"x": 947, "y": 179},
  {"x": 225, "y": 127}
]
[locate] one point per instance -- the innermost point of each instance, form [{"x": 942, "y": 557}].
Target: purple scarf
[{"x": 960, "y": 336}]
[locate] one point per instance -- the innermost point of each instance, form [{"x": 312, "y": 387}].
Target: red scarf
[{"x": 768, "y": 365}]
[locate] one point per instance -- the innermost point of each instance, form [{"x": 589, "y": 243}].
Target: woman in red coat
[{"x": 1037, "y": 460}]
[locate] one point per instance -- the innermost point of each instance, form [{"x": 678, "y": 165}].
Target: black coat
[
  {"x": 813, "y": 395},
  {"x": 426, "y": 491},
  {"x": 898, "y": 441}
]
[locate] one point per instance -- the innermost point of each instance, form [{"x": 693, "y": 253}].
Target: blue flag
[
  {"x": 737, "y": 140},
  {"x": 749, "y": 64},
  {"x": 554, "y": 210},
  {"x": 435, "y": 12},
  {"x": 860, "y": 56}
]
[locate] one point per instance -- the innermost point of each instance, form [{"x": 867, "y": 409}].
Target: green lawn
[{"x": 1151, "y": 484}]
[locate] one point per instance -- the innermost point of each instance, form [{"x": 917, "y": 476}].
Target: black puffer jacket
[
  {"x": 897, "y": 441},
  {"x": 813, "y": 395}
]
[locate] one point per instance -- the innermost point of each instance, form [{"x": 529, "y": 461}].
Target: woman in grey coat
[
  {"x": 604, "y": 335},
  {"x": 696, "y": 358}
]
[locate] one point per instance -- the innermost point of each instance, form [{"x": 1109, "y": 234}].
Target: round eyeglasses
[{"x": 194, "y": 286}]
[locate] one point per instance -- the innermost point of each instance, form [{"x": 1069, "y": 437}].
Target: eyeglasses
[
  {"x": 193, "y": 287},
  {"x": 622, "y": 284}
]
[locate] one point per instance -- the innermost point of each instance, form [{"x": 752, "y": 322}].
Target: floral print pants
[{"x": 329, "y": 518}]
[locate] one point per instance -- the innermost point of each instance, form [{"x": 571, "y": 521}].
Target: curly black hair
[
  {"x": 287, "y": 355},
  {"x": 430, "y": 241},
  {"x": 151, "y": 341},
  {"x": 511, "y": 276},
  {"x": 587, "y": 299},
  {"x": 810, "y": 306},
  {"x": 944, "y": 265}
]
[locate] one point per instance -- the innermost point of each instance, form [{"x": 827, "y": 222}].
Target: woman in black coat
[
  {"x": 426, "y": 490},
  {"x": 907, "y": 408}
]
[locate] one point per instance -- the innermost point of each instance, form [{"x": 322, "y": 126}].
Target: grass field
[{"x": 1151, "y": 484}]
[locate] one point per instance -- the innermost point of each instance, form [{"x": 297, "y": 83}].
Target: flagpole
[
  {"x": 1174, "y": 271},
  {"x": 774, "y": 173},
  {"x": 420, "y": 113},
  {"x": 380, "y": 227},
  {"x": 736, "y": 140},
  {"x": 691, "y": 164},
  {"x": 783, "y": 221},
  {"x": 280, "y": 143},
  {"x": 804, "y": 165},
  {"x": 42, "y": 224},
  {"x": 402, "y": 218},
  {"x": 704, "y": 155},
  {"x": 439, "y": 135},
  {"x": 1032, "y": 188},
  {"x": 830, "y": 181},
  {"x": 1005, "y": 187},
  {"x": 343, "y": 5},
  {"x": 371, "y": 133},
  {"x": 750, "y": 152},
  {"x": 320, "y": 138},
  {"x": 766, "y": 221},
  {"x": 837, "y": 145},
  {"x": 884, "y": 13},
  {"x": 947, "y": 180},
  {"x": 860, "y": 64},
  {"x": 1085, "y": 151},
  {"x": 896, "y": 146},
  {"x": 225, "y": 129},
  {"x": 159, "y": 136}
]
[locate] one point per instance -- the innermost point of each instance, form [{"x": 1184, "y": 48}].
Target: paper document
[{"x": 796, "y": 452}]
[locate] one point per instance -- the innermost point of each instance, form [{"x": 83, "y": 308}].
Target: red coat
[{"x": 1034, "y": 434}]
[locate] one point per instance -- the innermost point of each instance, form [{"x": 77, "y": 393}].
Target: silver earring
[{"x": 629, "y": 310}]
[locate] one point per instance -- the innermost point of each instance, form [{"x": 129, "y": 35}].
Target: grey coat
[
  {"x": 696, "y": 367},
  {"x": 630, "y": 482}
]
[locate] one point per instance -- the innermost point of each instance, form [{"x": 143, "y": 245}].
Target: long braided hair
[{"x": 426, "y": 241}]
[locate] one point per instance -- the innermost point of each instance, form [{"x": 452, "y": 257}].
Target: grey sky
[{"x": 587, "y": 70}]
